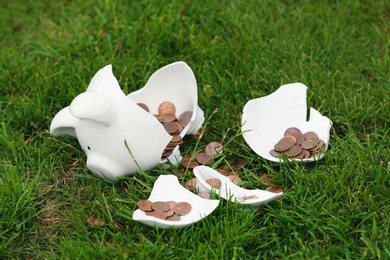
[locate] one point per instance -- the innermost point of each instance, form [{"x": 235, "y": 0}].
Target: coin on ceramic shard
[
  {"x": 214, "y": 182},
  {"x": 292, "y": 130},
  {"x": 145, "y": 205},
  {"x": 204, "y": 195},
  {"x": 174, "y": 217},
  {"x": 182, "y": 208},
  {"x": 251, "y": 197},
  {"x": 156, "y": 214},
  {"x": 164, "y": 118},
  {"x": 274, "y": 153},
  {"x": 289, "y": 139},
  {"x": 144, "y": 106},
  {"x": 283, "y": 146},
  {"x": 274, "y": 189},
  {"x": 160, "y": 206},
  {"x": 309, "y": 144},
  {"x": 169, "y": 213},
  {"x": 214, "y": 148},
  {"x": 306, "y": 154},
  {"x": 170, "y": 127},
  {"x": 299, "y": 137},
  {"x": 176, "y": 139},
  {"x": 184, "y": 118},
  {"x": 166, "y": 108},
  {"x": 266, "y": 179},
  {"x": 311, "y": 136},
  {"x": 294, "y": 151},
  {"x": 191, "y": 184},
  {"x": 171, "y": 203},
  {"x": 179, "y": 127},
  {"x": 204, "y": 158}
]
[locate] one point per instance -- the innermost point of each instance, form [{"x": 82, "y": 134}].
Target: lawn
[{"x": 336, "y": 208}]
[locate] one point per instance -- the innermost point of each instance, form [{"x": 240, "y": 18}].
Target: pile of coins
[
  {"x": 166, "y": 210},
  {"x": 203, "y": 158},
  {"x": 172, "y": 124},
  {"x": 298, "y": 145}
]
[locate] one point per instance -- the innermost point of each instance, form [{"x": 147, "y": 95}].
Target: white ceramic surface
[
  {"x": 229, "y": 190},
  {"x": 166, "y": 188},
  {"x": 103, "y": 118},
  {"x": 265, "y": 119}
]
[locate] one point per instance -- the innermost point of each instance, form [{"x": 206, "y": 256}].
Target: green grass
[{"x": 238, "y": 50}]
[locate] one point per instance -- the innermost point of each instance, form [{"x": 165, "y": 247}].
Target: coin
[
  {"x": 204, "y": 158},
  {"x": 176, "y": 139},
  {"x": 191, "y": 184},
  {"x": 311, "y": 136},
  {"x": 174, "y": 217},
  {"x": 95, "y": 221},
  {"x": 171, "y": 203},
  {"x": 145, "y": 205},
  {"x": 266, "y": 179},
  {"x": 238, "y": 164},
  {"x": 294, "y": 151},
  {"x": 283, "y": 146},
  {"x": 299, "y": 138},
  {"x": 182, "y": 208},
  {"x": 164, "y": 118},
  {"x": 288, "y": 138},
  {"x": 308, "y": 144},
  {"x": 169, "y": 212},
  {"x": 144, "y": 106},
  {"x": 214, "y": 148},
  {"x": 292, "y": 130},
  {"x": 274, "y": 153},
  {"x": 214, "y": 182},
  {"x": 160, "y": 206},
  {"x": 166, "y": 108},
  {"x": 170, "y": 127},
  {"x": 204, "y": 194},
  {"x": 274, "y": 189},
  {"x": 234, "y": 179},
  {"x": 156, "y": 214},
  {"x": 185, "y": 118}
]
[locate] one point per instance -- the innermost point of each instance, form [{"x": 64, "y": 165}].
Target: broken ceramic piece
[
  {"x": 118, "y": 136},
  {"x": 265, "y": 119},
  {"x": 229, "y": 191},
  {"x": 168, "y": 188}
]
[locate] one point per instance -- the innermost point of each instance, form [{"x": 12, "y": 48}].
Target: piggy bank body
[{"x": 118, "y": 136}]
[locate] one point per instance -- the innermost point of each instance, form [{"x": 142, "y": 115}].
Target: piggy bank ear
[
  {"x": 63, "y": 123},
  {"x": 93, "y": 106}
]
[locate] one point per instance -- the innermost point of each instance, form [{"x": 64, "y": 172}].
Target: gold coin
[
  {"x": 182, "y": 208},
  {"x": 145, "y": 205},
  {"x": 166, "y": 108}
]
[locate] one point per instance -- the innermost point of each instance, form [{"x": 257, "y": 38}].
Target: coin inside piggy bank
[{"x": 277, "y": 129}]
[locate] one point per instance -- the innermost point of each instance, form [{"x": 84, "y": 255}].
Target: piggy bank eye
[{"x": 89, "y": 148}]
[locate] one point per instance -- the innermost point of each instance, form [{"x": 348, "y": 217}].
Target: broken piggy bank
[{"x": 118, "y": 136}]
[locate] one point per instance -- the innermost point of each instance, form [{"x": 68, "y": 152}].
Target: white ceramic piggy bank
[{"x": 103, "y": 119}]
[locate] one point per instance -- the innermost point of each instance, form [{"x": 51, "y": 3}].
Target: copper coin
[
  {"x": 179, "y": 127},
  {"x": 182, "y": 208},
  {"x": 274, "y": 189},
  {"x": 166, "y": 108},
  {"x": 214, "y": 148},
  {"x": 301, "y": 155},
  {"x": 306, "y": 154},
  {"x": 166, "y": 118},
  {"x": 144, "y": 106},
  {"x": 309, "y": 144},
  {"x": 311, "y": 136},
  {"x": 156, "y": 214},
  {"x": 274, "y": 153},
  {"x": 233, "y": 173},
  {"x": 204, "y": 194},
  {"x": 214, "y": 182},
  {"x": 167, "y": 153},
  {"x": 292, "y": 130},
  {"x": 169, "y": 213},
  {"x": 294, "y": 151},
  {"x": 266, "y": 179},
  {"x": 299, "y": 137},
  {"x": 248, "y": 197},
  {"x": 238, "y": 164},
  {"x": 145, "y": 205},
  {"x": 234, "y": 179},
  {"x": 191, "y": 184},
  {"x": 171, "y": 203},
  {"x": 95, "y": 221},
  {"x": 222, "y": 171},
  {"x": 197, "y": 135},
  {"x": 204, "y": 158},
  {"x": 179, "y": 172},
  {"x": 174, "y": 217},
  {"x": 283, "y": 146},
  {"x": 176, "y": 139},
  {"x": 170, "y": 127},
  {"x": 185, "y": 118},
  {"x": 160, "y": 206},
  {"x": 189, "y": 164},
  {"x": 289, "y": 139}
]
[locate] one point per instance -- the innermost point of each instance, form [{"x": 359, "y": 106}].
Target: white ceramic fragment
[
  {"x": 168, "y": 188},
  {"x": 265, "y": 119},
  {"x": 103, "y": 118},
  {"x": 229, "y": 190},
  {"x": 175, "y": 83}
]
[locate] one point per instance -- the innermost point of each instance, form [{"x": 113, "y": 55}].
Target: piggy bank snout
[{"x": 104, "y": 167}]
